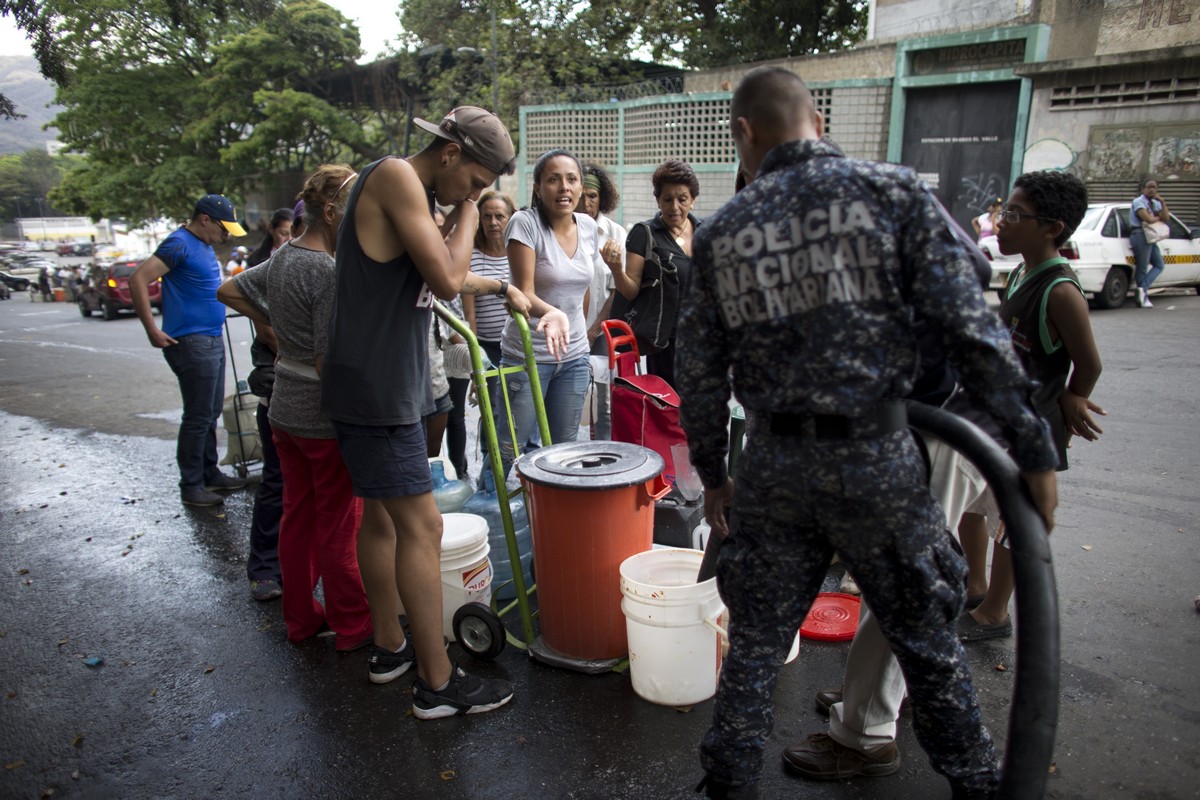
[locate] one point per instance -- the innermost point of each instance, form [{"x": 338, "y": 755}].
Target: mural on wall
[
  {"x": 1053, "y": 154},
  {"x": 1147, "y": 25},
  {"x": 1116, "y": 153},
  {"x": 1176, "y": 156},
  {"x": 1127, "y": 153}
]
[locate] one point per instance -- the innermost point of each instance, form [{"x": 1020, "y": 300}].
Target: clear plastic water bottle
[
  {"x": 450, "y": 496},
  {"x": 486, "y": 504}
]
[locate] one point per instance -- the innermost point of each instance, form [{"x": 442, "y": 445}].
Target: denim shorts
[
  {"x": 385, "y": 461},
  {"x": 442, "y": 405}
]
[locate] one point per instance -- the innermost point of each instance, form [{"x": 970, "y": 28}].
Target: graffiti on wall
[
  {"x": 976, "y": 191},
  {"x": 1152, "y": 13},
  {"x": 1147, "y": 25},
  {"x": 1052, "y": 154}
]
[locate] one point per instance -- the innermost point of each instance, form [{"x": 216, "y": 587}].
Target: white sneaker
[
  {"x": 1146, "y": 300},
  {"x": 1141, "y": 297}
]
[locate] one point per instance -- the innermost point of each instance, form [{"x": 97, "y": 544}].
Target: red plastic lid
[{"x": 832, "y": 618}]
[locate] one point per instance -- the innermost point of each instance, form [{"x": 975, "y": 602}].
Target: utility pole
[
  {"x": 495, "y": 81},
  {"x": 20, "y": 227},
  {"x": 495, "y": 86}
]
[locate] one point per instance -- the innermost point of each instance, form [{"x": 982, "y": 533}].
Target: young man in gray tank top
[{"x": 392, "y": 260}]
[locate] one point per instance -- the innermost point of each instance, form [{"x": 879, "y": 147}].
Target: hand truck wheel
[{"x": 479, "y": 631}]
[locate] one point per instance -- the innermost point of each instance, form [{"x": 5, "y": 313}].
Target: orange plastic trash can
[
  {"x": 591, "y": 506},
  {"x": 60, "y": 294}
]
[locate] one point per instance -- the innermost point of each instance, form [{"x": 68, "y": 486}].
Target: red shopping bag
[{"x": 645, "y": 411}]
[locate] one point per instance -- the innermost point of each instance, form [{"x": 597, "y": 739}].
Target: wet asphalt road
[{"x": 200, "y": 695}]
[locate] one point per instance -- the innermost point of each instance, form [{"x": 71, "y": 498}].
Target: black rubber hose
[{"x": 1034, "y": 715}]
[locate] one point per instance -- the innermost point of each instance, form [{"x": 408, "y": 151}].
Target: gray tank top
[{"x": 376, "y": 364}]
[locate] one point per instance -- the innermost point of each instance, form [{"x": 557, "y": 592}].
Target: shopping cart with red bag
[
  {"x": 645, "y": 411},
  {"x": 645, "y": 408}
]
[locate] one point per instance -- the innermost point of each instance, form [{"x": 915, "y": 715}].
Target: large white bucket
[
  {"x": 673, "y": 627},
  {"x": 466, "y": 570}
]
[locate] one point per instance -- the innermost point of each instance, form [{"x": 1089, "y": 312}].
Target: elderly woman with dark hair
[{"x": 669, "y": 235}]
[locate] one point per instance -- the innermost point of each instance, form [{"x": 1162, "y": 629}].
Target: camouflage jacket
[{"x": 805, "y": 289}]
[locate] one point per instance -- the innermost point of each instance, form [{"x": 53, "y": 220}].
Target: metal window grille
[{"x": 1128, "y": 93}]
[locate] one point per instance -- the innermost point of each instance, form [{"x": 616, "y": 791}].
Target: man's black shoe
[
  {"x": 224, "y": 483},
  {"x": 200, "y": 497}
]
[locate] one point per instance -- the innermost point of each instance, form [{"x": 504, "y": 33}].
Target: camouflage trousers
[{"x": 796, "y": 502}]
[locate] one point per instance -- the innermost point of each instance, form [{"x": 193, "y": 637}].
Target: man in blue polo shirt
[{"x": 190, "y": 339}]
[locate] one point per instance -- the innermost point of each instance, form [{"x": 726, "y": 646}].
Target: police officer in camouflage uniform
[{"x": 806, "y": 285}]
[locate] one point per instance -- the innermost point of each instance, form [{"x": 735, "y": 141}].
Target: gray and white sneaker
[
  {"x": 1141, "y": 297},
  {"x": 464, "y": 694}
]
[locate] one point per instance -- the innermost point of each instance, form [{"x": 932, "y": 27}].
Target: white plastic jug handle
[{"x": 712, "y": 623}]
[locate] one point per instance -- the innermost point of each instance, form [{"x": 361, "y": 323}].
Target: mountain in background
[{"x": 31, "y": 94}]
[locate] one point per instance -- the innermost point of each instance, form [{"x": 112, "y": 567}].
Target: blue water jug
[
  {"x": 486, "y": 504},
  {"x": 450, "y": 496}
]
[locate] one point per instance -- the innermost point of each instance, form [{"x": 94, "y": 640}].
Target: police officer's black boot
[{"x": 721, "y": 791}]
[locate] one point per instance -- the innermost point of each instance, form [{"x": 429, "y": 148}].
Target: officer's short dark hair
[
  {"x": 1055, "y": 195},
  {"x": 770, "y": 96}
]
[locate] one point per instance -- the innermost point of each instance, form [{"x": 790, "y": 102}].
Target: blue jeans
[
  {"x": 199, "y": 363},
  {"x": 563, "y": 388},
  {"x": 1145, "y": 255}
]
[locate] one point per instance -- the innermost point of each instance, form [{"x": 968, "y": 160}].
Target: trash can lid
[{"x": 590, "y": 465}]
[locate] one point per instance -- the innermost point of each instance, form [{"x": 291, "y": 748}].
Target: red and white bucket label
[{"x": 477, "y": 578}]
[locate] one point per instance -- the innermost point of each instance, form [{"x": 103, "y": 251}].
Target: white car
[{"x": 1100, "y": 254}]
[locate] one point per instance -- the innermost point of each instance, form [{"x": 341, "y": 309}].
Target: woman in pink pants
[{"x": 318, "y": 535}]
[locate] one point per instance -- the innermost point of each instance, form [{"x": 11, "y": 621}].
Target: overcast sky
[{"x": 378, "y": 27}]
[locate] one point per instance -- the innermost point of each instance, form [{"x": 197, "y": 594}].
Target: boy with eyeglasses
[{"x": 1044, "y": 309}]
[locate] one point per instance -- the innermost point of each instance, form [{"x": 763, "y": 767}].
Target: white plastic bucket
[
  {"x": 466, "y": 569},
  {"x": 699, "y": 542},
  {"x": 673, "y": 627}
]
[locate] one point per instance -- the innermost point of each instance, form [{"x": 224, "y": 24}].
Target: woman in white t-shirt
[{"x": 553, "y": 253}]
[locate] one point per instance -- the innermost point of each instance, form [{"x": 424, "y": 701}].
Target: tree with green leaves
[
  {"x": 26, "y": 180},
  {"x": 540, "y": 44},
  {"x": 712, "y": 33},
  {"x": 167, "y": 109},
  {"x": 552, "y": 48}
]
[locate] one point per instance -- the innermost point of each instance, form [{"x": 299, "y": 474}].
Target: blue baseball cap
[{"x": 219, "y": 207}]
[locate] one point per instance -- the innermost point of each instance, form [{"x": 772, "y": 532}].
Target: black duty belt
[{"x": 884, "y": 419}]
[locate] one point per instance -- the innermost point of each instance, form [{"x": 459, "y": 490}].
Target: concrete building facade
[{"x": 969, "y": 93}]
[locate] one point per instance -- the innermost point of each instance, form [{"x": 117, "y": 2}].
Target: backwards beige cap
[{"x": 480, "y": 133}]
